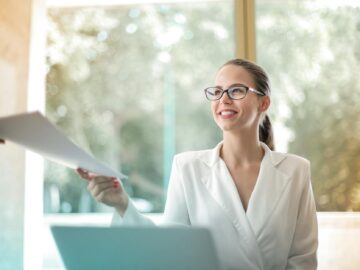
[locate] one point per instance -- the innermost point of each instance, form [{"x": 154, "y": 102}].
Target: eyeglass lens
[{"x": 215, "y": 93}]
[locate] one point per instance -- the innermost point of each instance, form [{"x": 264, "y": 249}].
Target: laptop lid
[{"x": 138, "y": 248}]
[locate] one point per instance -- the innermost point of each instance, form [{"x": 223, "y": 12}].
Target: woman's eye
[
  {"x": 237, "y": 91},
  {"x": 217, "y": 92}
]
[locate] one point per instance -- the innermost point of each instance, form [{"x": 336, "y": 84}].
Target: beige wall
[{"x": 14, "y": 55}]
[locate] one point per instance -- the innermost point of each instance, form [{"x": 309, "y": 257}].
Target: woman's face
[{"x": 232, "y": 115}]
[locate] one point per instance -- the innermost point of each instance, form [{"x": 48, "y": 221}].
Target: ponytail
[{"x": 266, "y": 133}]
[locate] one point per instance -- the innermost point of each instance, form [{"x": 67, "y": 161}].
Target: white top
[{"x": 279, "y": 228}]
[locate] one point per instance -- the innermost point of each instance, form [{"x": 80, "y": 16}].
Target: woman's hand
[{"x": 108, "y": 190}]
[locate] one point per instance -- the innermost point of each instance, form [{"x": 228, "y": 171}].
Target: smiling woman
[{"x": 251, "y": 198}]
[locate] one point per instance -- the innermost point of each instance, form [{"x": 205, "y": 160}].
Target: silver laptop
[{"x": 136, "y": 248}]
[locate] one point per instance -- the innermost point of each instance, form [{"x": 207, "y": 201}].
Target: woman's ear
[{"x": 264, "y": 103}]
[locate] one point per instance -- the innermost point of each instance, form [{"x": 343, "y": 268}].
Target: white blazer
[{"x": 279, "y": 228}]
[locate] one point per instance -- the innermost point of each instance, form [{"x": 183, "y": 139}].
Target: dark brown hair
[{"x": 262, "y": 84}]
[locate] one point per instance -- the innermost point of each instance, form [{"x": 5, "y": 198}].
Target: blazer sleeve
[
  {"x": 175, "y": 209},
  {"x": 305, "y": 242},
  {"x": 131, "y": 217}
]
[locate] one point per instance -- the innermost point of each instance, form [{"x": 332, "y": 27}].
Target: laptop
[{"x": 136, "y": 248}]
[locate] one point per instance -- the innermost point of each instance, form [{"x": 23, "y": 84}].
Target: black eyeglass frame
[{"x": 247, "y": 88}]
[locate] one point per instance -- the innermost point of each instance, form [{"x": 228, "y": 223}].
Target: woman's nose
[{"x": 225, "y": 99}]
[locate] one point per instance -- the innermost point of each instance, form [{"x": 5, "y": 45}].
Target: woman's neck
[{"x": 241, "y": 151}]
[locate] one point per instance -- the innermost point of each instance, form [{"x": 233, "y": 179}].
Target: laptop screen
[{"x": 150, "y": 248}]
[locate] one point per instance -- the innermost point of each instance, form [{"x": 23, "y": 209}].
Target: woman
[{"x": 258, "y": 203}]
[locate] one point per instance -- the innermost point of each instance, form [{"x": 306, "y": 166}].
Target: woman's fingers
[
  {"x": 96, "y": 187},
  {"x": 107, "y": 190},
  {"x": 101, "y": 195},
  {"x": 85, "y": 174}
]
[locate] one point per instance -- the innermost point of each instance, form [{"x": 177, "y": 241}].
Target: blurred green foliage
[
  {"x": 108, "y": 70},
  {"x": 311, "y": 50}
]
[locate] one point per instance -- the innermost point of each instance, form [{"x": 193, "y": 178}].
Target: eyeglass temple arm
[{"x": 256, "y": 91}]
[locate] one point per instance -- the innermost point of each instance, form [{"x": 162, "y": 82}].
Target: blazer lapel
[
  {"x": 223, "y": 190},
  {"x": 220, "y": 185},
  {"x": 268, "y": 190}
]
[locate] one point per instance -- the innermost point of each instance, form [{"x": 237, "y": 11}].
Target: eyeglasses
[{"x": 234, "y": 92}]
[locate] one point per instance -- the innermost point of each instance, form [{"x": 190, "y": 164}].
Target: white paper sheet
[{"x": 36, "y": 133}]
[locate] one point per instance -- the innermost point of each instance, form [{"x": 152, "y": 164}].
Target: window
[
  {"x": 311, "y": 50},
  {"x": 125, "y": 82}
]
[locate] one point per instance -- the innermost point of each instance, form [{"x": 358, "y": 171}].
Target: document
[{"x": 36, "y": 133}]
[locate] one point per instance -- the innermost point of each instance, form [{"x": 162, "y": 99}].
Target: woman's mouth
[{"x": 227, "y": 114}]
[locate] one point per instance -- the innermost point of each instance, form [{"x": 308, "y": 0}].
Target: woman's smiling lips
[{"x": 227, "y": 114}]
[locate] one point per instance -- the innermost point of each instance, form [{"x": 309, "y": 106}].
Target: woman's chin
[{"x": 227, "y": 127}]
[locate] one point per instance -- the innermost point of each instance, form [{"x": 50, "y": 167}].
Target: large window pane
[
  {"x": 126, "y": 84},
  {"x": 311, "y": 50}
]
